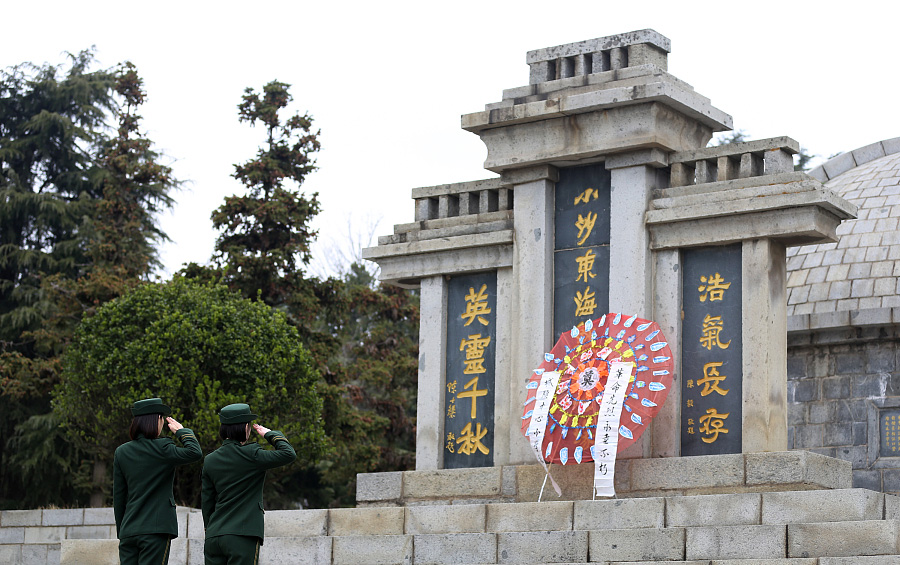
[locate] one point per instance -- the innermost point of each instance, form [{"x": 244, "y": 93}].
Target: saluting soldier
[
  {"x": 232, "y": 494},
  {"x": 143, "y": 474}
]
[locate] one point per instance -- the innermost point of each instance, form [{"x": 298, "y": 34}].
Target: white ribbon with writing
[
  {"x": 539, "y": 419},
  {"x": 606, "y": 438}
]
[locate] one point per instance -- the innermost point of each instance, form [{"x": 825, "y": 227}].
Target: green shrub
[{"x": 198, "y": 347}]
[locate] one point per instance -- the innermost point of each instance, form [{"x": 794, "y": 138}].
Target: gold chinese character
[
  {"x": 712, "y": 325},
  {"x": 711, "y": 379},
  {"x": 451, "y": 387},
  {"x": 587, "y": 195},
  {"x": 714, "y": 287},
  {"x": 474, "y": 348},
  {"x": 472, "y": 441},
  {"x": 585, "y": 303},
  {"x": 473, "y": 394},
  {"x": 585, "y": 225},
  {"x": 585, "y": 266},
  {"x": 690, "y": 383},
  {"x": 476, "y": 306},
  {"x": 690, "y": 431},
  {"x": 690, "y": 403},
  {"x": 690, "y": 421},
  {"x": 450, "y": 439},
  {"x": 451, "y": 411},
  {"x": 712, "y": 425}
]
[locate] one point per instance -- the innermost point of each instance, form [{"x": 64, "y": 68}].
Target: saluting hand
[
  {"x": 261, "y": 430},
  {"x": 173, "y": 424}
]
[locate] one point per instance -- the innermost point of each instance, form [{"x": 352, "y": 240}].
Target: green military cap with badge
[
  {"x": 150, "y": 406},
  {"x": 236, "y": 414}
]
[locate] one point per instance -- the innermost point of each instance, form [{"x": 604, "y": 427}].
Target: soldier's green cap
[
  {"x": 150, "y": 406},
  {"x": 236, "y": 414}
]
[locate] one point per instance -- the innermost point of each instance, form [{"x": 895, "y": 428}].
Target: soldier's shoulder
[
  {"x": 163, "y": 442},
  {"x": 124, "y": 448},
  {"x": 214, "y": 455}
]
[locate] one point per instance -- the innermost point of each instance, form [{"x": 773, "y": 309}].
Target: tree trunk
[{"x": 98, "y": 497}]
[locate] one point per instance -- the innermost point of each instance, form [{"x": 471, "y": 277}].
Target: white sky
[{"x": 387, "y": 81}]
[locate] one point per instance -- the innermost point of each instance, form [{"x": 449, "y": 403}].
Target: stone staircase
[
  {"x": 792, "y": 508},
  {"x": 818, "y": 527}
]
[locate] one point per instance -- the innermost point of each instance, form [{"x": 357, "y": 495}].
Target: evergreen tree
[
  {"x": 110, "y": 250},
  {"x": 363, "y": 342},
  {"x": 52, "y": 124},
  {"x": 266, "y": 236},
  {"x": 136, "y": 188}
]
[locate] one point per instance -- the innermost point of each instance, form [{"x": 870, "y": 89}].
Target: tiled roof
[{"x": 862, "y": 270}]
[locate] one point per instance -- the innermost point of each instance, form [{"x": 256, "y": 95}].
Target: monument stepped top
[
  {"x": 601, "y": 48},
  {"x": 597, "y": 75}
]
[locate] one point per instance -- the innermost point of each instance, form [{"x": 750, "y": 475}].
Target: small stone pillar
[
  {"x": 634, "y": 177},
  {"x": 531, "y": 313}
]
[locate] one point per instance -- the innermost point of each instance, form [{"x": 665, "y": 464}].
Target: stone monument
[{"x": 608, "y": 200}]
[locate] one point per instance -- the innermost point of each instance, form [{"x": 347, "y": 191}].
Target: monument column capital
[
  {"x": 650, "y": 157},
  {"x": 530, "y": 174}
]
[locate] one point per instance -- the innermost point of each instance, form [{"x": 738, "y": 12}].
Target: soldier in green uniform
[
  {"x": 143, "y": 473},
  {"x": 232, "y": 493}
]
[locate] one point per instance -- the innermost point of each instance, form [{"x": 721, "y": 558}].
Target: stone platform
[
  {"x": 818, "y": 527},
  {"x": 674, "y": 476},
  {"x": 792, "y": 508}
]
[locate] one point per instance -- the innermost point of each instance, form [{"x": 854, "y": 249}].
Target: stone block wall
[
  {"x": 839, "y": 380},
  {"x": 37, "y": 536}
]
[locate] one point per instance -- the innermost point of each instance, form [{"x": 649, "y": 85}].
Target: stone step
[
  {"x": 865, "y": 542},
  {"x": 775, "y": 508},
  {"x": 672, "y": 476},
  {"x": 703, "y": 544},
  {"x": 835, "y": 543},
  {"x": 872, "y": 560},
  {"x": 791, "y": 524}
]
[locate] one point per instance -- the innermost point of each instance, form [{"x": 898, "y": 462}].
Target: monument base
[
  {"x": 811, "y": 520},
  {"x": 671, "y": 476}
]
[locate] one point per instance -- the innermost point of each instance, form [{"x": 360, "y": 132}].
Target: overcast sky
[{"x": 387, "y": 82}]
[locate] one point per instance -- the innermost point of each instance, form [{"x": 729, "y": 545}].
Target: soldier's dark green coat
[
  {"x": 233, "y": 477},
  {"x": 143, "y": 473}
]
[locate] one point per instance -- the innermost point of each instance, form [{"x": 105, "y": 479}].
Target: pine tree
[
  {"x": 363, "y": 341},
  {"x": 266, "y": 234},
  {"x": 52, "y": 123},
  {"x": 110, "y": 251},
  {"x": 136, "y": 188}
]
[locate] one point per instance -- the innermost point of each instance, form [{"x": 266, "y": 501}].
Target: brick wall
[{"x": 838, "y": 383}]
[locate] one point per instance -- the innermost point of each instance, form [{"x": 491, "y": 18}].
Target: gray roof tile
[
  {"x": 816, "y": 275},
  {"x": 836, "y": 273},
  {"x": 876, "y": 253},
  {"x": 885, "y": 286},
  {"x": 813, "y": 260},
  {"x": 883, "y": 269},
  {"x": 870, "y": 303},
  {"x": 861, "y": 288},
  {"x": 862, "y": 270},
  {"x": 839, "y": 289}
]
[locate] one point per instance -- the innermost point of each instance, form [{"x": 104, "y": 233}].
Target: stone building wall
[{"x": 838, "y": 384}]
